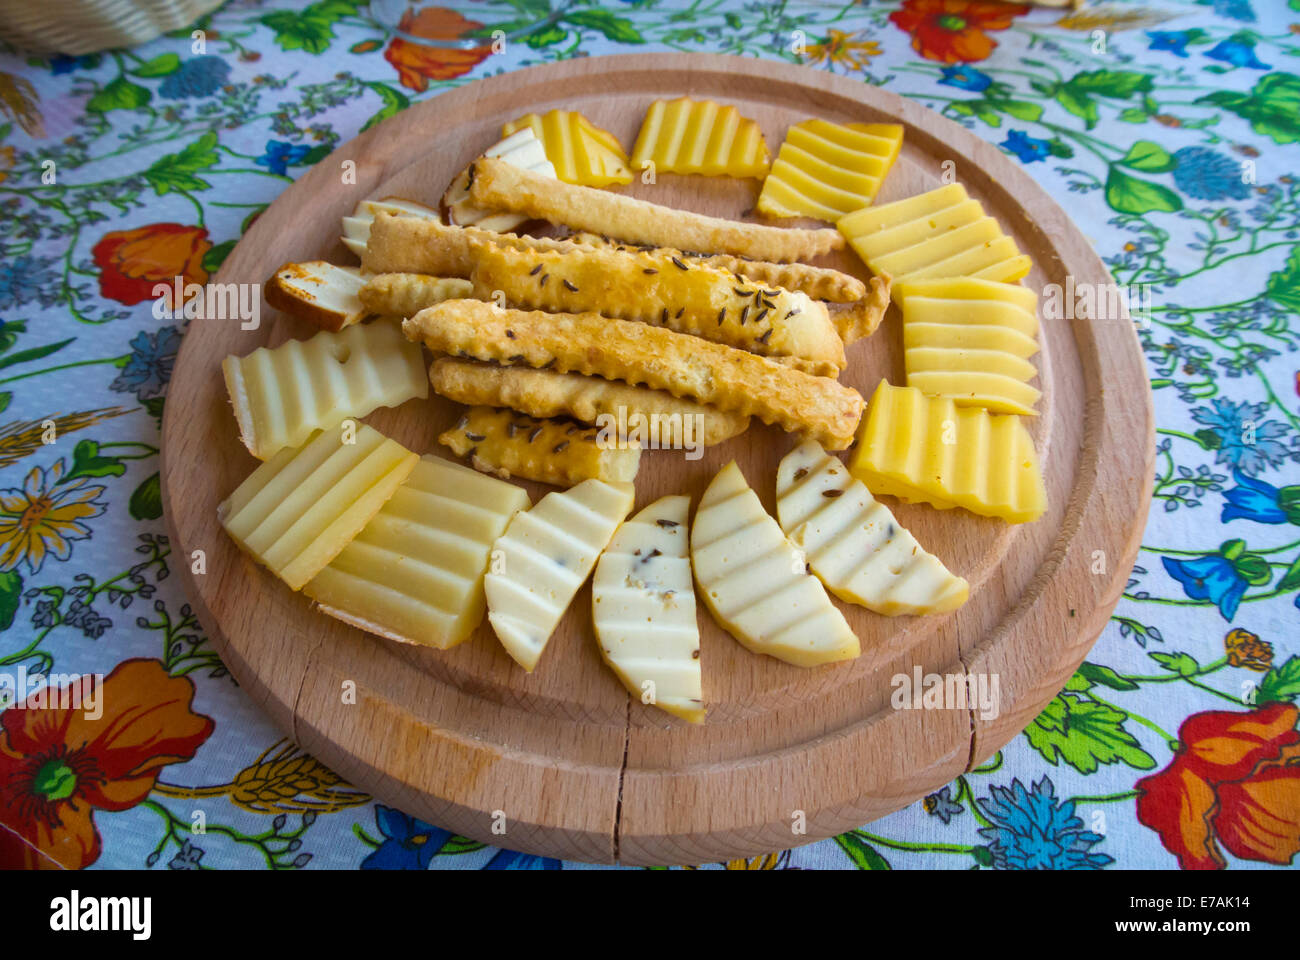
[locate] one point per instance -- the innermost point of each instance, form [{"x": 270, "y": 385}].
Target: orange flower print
[
  {"x": 1245, "y": 649},
  {"x": 131, "y": 262},
  {"x": 953, "y": 30},
  {"x": 1236, "y": 782},
  {"x": 418, "y": 63},
  {"x": 44, "y": 516},
  {"x": 58, "y": 764}
]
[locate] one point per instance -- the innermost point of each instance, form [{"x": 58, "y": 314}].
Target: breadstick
[
  {"x": 668, "y": 292},
  {"x": 508, "y": 444},
  {"x": 820, "y": 283},
  {"x": 545, "y": 393},
  {"x": 418, "y": 245},
  {"x": 638, "y": 353},
  {"x": 406, "y": 294},
  {"x": 500, "y": 186}
]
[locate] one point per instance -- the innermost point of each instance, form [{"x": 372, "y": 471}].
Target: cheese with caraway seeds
[
  {"x": 415, "y": 572},
  {"x": 756, "y": 584},
  {"x": 298, "y": 510},
  {"x": 544, "y": 557},
  {"x": 853, "y": 544},
  {"x": 643, "y": 609}
]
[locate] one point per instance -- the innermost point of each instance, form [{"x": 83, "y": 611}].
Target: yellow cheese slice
[
  {"x": 853, "y": 544},
  {"x": 700, "y": 136},
  {"x": 966, "y": 289},
  {"x": 983, "y": 360},
  {"x": 283, "y": 394},
  {"x": 928, "y": 449},
  {"x": 520, "y": 148},
  {"x": 643, "y": 609},
  {"x": 940, "y": 233},
  {"x": 299, "y": 509},
  {"x": 756, "y": 584},
  {"x": 826, "y": 170},
  {"x": 415, "y": 572},
  {"x": 544, "y": 557},
  {"x": 579, "y": 151}
]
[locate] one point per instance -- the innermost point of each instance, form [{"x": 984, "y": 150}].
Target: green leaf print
[
  {"x": 394, "y": 103},
  {"x": 863, "y": 855},
  {"x": 159, "y": 66},
  {"x": 1149, "y": 157},
  {"x": 1130, "y": 195},
  {"x": 175, "y": 171},
  {"x": 1281, "y": 684},
  {"x": 11, "y": 592},
  {"x": 1272, "y": 106},
  {"x": 1085, "y": 734},
  {"x": 613, "y": 27},
  {"x": 121, "y": 94}
]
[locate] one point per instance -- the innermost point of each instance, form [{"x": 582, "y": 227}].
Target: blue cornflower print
[
  {"x": 150, "y": 366},
  {"x": 27, "y": 278},
  {"x": 1233, "y": 9},
  {"x": 1027, "y": 148},
  {"x": 510, "y": 860},
  {"x": 942, "y": 805},
  {"x": 966, "y": 78},
  {"x": 280, "y": 156},
  {"x": 1251, "y": 451},
  {"x": 1204, "y": 174},
  {"x": 62, "y": 63},
  {"x": 409, "y": 844},
  {"x": 1174, "y": 41},
  {"x": 200, "y": 77},
  {"x": 1212, "y": 578},
  {"x": 1262, "y": 502},
  {"x": 1238, "y": 50},
  {"x": 1031, "y": 831}
]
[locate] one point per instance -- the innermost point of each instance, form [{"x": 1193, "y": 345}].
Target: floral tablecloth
[{"x": 1169, "y": 130}]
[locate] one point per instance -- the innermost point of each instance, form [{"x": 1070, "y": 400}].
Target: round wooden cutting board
[{"x": 564, "y": 760}]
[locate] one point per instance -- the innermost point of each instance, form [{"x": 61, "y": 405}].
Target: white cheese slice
[{"x": 643, "y": 608}]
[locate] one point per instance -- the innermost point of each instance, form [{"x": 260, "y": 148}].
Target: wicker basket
[{"x": 85, "y": 26}]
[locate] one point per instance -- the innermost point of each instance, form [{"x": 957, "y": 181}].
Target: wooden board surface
[{"x": 569, "y": 763}]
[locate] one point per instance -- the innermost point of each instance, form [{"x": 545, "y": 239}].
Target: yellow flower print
[
  {"x": 842, "y": 49},
  {"x": 1245, "y": 649},
  {"x": 44, "y": 517}
]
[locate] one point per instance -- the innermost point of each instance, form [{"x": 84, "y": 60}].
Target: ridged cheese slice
[
  {"x": 579, "y": 151},
  {"x": 299, "y": 509},
  {"x": 928, "y": 449},
  {"x": 544, "y": 557},
  {"x": 283, "y": 394},
  {"x": 700, "y": 136},
  {"x": 415, "y": 572},
  {"x": 643, "y": 609},
  {"x": 853, "y": 544},
  {"x": 522, "y": 149},
  {"x": 356, "y": 228},
  {"x": 940, "y": 233},
  {"x": 826, "y": 170},
  {"x": 756, "y": 584},
  {"x": 974, "y": 351}
]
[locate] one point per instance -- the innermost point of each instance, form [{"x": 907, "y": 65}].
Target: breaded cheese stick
[
  {"x": 500, "y": 186},
  {"x": 820, "y": 283},
  {"x": 545, "y": 393},
  {"x": 418, "y": 245},
  {"x": 857, "y": 320},
  {"x": 665, "y": 291},
  {"x": 818, "y": 407},
  {"x": 406, "y": 294}
]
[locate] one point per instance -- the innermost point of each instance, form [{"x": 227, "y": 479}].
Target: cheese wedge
[
  {"x": 356, "y": 228},
  {"x": 643, "y": 609},
  {"x": 972, "y": 349},
  {"x": 283, "y": 394},
  {"x": 298, "y": 510},
  {"x": 826, "y": 170},
  {"x": 415, "y": 572},
  {"x": 700, "y": 136},
  {"x": 522, "y": 149},
  {"x": 318, "y": 292},
  {"x": 756, "y": 584},
  {"x": 941, "y": 233},
  {"x": 544, "y": 557},
  {"x": 927, "y": 449},
  {"x": 853, "y": 544},
  {"x": 578, "y": 150}
]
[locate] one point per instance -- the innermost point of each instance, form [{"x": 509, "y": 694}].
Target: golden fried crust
[
  {"x": 420, "y": 245},
  {"x": 406, "y": 294},
  {"x": 500, "y": 186},
  {"x": 820, "y": 283},
  {"x": 688, "y": 297},
  {"x": 637, "y": 353},
  {"x": 857, "y": 320},
  {"x": 508, "y": 444},
  {"x": 545, "y": 393}
]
